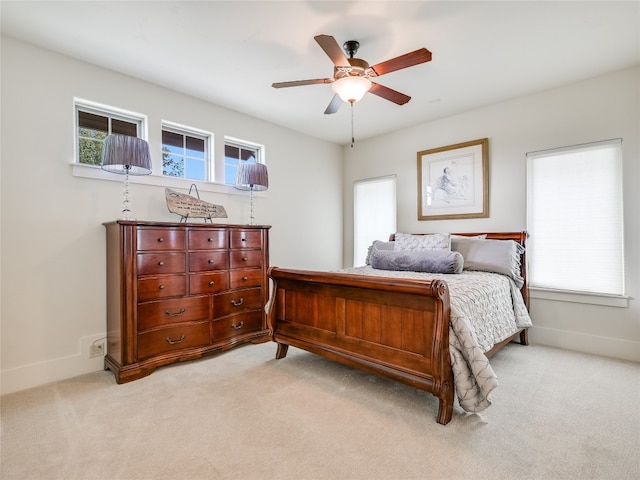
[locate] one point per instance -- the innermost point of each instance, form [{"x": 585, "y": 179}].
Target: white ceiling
[{"x": 229, "y": 53}]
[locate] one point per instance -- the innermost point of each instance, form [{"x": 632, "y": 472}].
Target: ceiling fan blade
[
  {"x": 298, "y": 83},
  {"x": 403, "y": 61},
  {"x": 389, "y": 94},
  {"x": 333, "y": 50},
  {"x": 334, "y": 105}
]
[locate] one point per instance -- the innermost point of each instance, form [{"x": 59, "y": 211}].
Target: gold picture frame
[{"x": 453, "y": 181}]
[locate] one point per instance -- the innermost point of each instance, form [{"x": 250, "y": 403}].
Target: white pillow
[
  {"x": 479, "y": 237},
  {"x": 420, "y": 243}
]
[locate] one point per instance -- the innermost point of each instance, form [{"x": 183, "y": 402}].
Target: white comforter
[{"x": 486, "y": 308}]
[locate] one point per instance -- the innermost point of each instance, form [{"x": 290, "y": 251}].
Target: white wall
[
  {"x": 52, "y": 239},
  {"x": 52, "y": 245},
  {"x": 597, "y": 109}
]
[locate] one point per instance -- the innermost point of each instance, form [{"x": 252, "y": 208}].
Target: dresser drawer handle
[
  {"x": 211, "y": 283},
  {"x": 210, "y": 240},
  {"x": 177, "y": 314},
  {"x": 237, "y": 304},
  {"x": 161, "y": 240},
  {"x": 237, "y": 326},
  {"x": 212, "y": 261},
  {"x": 173, "y": 342},
  {"x": 244, "y": 259},
  {"x": 161, "y": 263},
  {"x": 244, "y": 239},
  {"x": 161, "y": 287},
  {"x": 244, "y": 279}
]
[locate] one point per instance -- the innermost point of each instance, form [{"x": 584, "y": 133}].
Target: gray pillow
[
  {"x": 497, "y": 256},
  {"x": 432, "y": 261},
  {"x": 378, "y": 245}
]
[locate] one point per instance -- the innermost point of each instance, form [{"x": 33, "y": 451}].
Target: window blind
[
  {"x": 374, "y": 214},
  {"x": 575, "y": 218}
]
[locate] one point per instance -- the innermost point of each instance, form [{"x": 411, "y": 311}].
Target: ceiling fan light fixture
[{"x": 351, "y": 89}]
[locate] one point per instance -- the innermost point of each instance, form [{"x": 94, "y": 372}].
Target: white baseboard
[
  {"x": 585, "y": 343},
  {"x": 41, "y": 373}
]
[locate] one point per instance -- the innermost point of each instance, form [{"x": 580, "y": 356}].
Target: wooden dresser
[{"x": 178, "y": 291}]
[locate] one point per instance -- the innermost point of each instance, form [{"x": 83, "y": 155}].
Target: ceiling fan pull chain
[{"x": 352, "y": 136}]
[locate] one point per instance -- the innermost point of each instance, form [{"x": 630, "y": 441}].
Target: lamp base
[
  {"x": 251, "y": 218},
  {"x": 126, "y": 211}
]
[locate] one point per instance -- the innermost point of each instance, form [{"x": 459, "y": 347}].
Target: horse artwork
[{"x": 188, "y": 206}]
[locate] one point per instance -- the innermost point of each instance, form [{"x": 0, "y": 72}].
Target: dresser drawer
[
  {"x": 203, "y": 261},
  {"x": 208, "y": 282},
  {"x": 166, "y": 312},
  {"x": 246, "y": 258},
  {"x": 246, "y": 239},
  {"x": 161, "y": 262},
  {"x": 237, "y": 325},
  {"x": 153, "y": 288},
  {"x": 236, "y": 301},
  {"x": 208, "y": 239},
  {"x": 179, "y": 337},
  {"x": 245, "y": 277},
  {"x": 161, "y": 239}
]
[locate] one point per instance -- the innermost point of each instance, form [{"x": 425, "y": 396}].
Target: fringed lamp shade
[
  {"x": 126, "y": 156},
  {"x": 252, "y": 177}
]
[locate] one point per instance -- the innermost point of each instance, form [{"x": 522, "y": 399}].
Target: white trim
[
  {"x": 260, "y": 149},
  {"x": 61, "y": 368},
  {"x": 102, "y": 109},
  {"x": 579, "y": 297},
  {"x": 111, "y": 109},
  {"x": 208, "y": 137},
  {"x": 81, "y": 170},
  {"x": 571, "y": 148},
  {"x": 582, "y": 342}
]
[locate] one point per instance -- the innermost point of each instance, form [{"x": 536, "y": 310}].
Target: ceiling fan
[{"x": 351, "y": 76}]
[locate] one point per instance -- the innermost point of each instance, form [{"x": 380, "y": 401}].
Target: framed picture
[{"x": 453, "y": 181}]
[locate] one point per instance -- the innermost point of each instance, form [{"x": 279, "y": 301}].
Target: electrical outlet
[{"x": 96, "y": 349}]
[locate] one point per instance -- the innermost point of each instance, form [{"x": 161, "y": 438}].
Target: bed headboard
[{"x": 519, "y": 237}]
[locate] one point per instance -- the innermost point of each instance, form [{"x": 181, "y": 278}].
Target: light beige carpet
[{"x": 244, "y": 415}]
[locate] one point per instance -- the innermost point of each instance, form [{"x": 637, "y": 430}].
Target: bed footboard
[{"x": 397, "y": 328}]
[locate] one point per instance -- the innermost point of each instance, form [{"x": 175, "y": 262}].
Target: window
[
  {"x": 94, "y": 122},
  {"x": 574, "y": 217},
  {"x": 237, "y": 152},
  {"x": 374, "y": 214},
  {"x": 185, "y": 153}
]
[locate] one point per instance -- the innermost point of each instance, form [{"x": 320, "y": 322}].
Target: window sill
[
  {"x": 579, "y": 297},
  {"x": 95, "y": 172}
]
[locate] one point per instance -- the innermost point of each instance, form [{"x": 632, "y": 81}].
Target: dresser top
[{"x": 143, "y": 223}]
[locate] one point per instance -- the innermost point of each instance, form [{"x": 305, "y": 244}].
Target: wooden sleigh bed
[{"x": 395, "y": 327}]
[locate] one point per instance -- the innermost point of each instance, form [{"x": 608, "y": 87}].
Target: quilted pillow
[
  {"x": 498, "y": 256},
  {"x": 432, "y": 261},
  {"x": 420, "y": 243}
]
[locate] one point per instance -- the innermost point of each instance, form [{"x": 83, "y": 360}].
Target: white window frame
[
  {"x": 82, "y": 170},
  {"x": 372, "y": 221},
  {"x": 106, "y": 111},
  {"x": 238, "y": 143},
  {"x": 209, "y": 171},
  {"x": 574, "y": 238}
]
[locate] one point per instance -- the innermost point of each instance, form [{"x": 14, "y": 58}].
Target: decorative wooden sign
[{"x": 188, "y": 206}]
